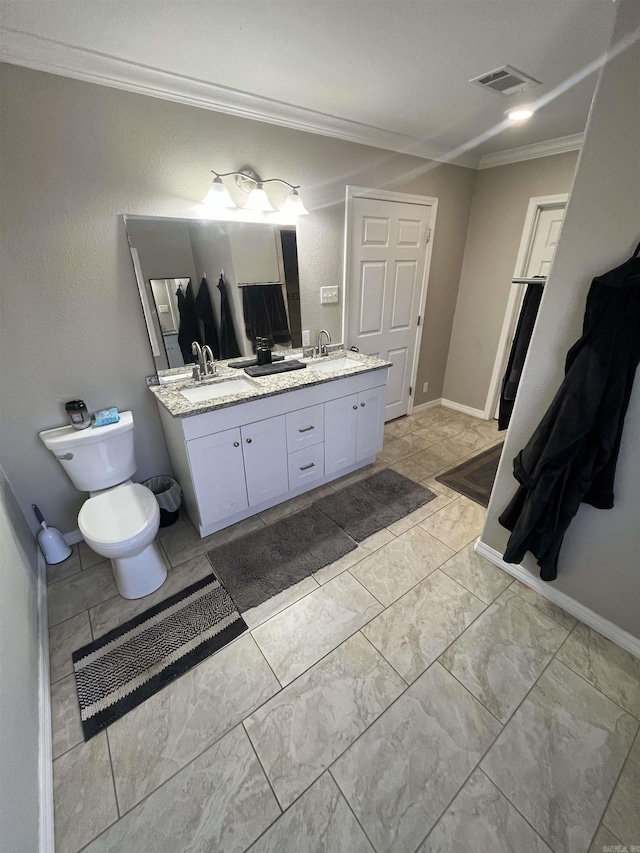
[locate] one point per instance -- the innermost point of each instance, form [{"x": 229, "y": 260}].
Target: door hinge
[
  {"x": 410, "y": 390},
  {"x": 418, "y": 319},
  {"x": 428, "y": 235}
]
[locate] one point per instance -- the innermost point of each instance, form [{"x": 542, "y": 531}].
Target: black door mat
[
  {"x": 475, "y": 477},
  {"x": 117, "y": 672},
  {"x": 367, "y": 506},
  {"x": 263, "y": 563}
]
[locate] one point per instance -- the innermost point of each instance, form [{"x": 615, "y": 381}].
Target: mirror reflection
[{"x": 219, "y": 283}]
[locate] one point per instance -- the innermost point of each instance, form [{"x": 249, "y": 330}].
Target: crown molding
[
  {"x": 531, "y": 152},
  {"x": 54, "y": 57}
]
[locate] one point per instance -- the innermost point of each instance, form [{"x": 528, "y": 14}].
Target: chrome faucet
[
  {"x": 209, "y": 361},
  {"x": 323, "y": 349},
  {"x": 206, "y": 365}
]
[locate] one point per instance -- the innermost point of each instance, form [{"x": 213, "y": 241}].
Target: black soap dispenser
[{"x": 263, "y": 352}]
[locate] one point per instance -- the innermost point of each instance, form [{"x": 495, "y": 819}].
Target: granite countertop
[{"x": 170, "y": 396}]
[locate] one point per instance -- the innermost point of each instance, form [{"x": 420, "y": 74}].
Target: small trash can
[{"x": 168, "y": 493}]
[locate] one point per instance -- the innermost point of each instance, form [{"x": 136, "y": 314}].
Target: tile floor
[{"x": 409, "y": 697}]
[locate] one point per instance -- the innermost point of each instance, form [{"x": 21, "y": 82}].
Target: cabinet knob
[
  {"x": 355, "y": 408},
  {"x": 363, "y": 405},
  {"x": 236, "y": 444},
  {"x": 249, "y": 441}
]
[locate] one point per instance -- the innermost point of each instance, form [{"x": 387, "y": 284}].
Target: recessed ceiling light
[{"x": 519, "y": 113}]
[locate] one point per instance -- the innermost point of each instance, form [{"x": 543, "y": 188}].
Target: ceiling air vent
[{"x": 505, "y": 81}]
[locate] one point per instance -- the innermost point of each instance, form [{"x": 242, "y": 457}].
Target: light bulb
[
  {"x": 217, "y": 197},
  {"x": 258, "y": 201}
]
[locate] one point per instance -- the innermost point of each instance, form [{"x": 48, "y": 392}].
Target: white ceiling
[{"x": 392, "y": 73}]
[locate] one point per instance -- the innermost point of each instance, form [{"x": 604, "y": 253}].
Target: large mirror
[{"x": 220, "y": 283}]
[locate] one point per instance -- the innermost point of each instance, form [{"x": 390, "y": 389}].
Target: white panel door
[
  {"x": 370, "y": 429},
  {"x": 264, "y": 445},
  {"x": 217, "y": 470},
  {"x": 340, "y": 433},
  {"x": 388, "y": 251},
  {"x": 544, "y": 240}
]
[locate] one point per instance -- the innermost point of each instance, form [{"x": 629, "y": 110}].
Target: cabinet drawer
[
  {"x": 306, "y": 466},
  {"x": 305, "y": 428}
]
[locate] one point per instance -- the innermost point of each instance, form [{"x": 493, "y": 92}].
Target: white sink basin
[
  {"x": 217, "y": 389},
  {"x": 330, "y": 365}
]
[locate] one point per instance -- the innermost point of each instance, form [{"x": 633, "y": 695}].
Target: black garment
[
  {"x": 519, "y": 347},
  {"x": 228, "y": 343},
  {"x": 264, "y": 314},
  {"x": 188, "y": 331},
  {"x": 204, "y": 312},
  {"x": 572, "y": 455}
]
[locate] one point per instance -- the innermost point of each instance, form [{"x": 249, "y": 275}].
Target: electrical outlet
[
  {"x": 306, "y": 338},
  {"x": 329, "y": 295},
  {"x": 425, "y": 387}
]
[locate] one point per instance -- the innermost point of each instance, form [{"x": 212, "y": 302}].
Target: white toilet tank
[{"x": 97, "y": 457}]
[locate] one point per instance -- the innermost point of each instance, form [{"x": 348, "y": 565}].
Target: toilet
[{"x": 120, "y": 520}]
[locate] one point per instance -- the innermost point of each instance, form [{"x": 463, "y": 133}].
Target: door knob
[
  {"x": 248, "y": 441},
  {"x": 236, "y": 444}
]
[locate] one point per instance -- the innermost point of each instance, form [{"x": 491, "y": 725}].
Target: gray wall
[
  {"x": 77, "y": 156},
  {"x": 601, "y": 554},
  {"x": 19, "y": 664},
  {"x": 500, "y": 200}
]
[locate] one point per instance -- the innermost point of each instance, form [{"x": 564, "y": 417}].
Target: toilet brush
[{"x": 53, "y": 546}]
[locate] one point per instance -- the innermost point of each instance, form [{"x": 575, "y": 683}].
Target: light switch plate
[
  {"x": 329, "y": 295},
  {"x": 425, "y": 387},
  {"x": 306, "y": 338}
]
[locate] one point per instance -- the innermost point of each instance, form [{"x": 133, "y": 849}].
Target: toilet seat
[{"x": 119, "y": 515}]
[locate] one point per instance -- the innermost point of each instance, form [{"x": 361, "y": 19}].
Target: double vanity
[{"x": 239, "y": 444}]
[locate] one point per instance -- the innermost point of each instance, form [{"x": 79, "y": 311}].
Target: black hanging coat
[
  {"x": 204, "y": 311},
  {"x": 188, "y": 330},
  {"x": 571, "y": 457},
  {"x": 228, "y": 343}
]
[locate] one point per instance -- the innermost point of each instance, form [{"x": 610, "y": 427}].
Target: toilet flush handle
[{"x": 65, "y": 456}]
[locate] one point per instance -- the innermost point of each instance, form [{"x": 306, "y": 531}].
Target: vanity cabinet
[
  {"x": 354, "y": 429},
  {"x": 242, "y": 459}
]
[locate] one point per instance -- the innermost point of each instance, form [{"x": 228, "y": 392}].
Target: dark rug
[
  {"x": 367, "y": 506},
  {"x": 263, "y": 563},
  {"x": 475, "y": 477},
  {"x": 117, "y": 672}
]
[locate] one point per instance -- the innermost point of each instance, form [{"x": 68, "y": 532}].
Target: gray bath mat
[
  {"x": 474, "y": 478},
  {"x": 367, "y": 506},
  {"x": 117, "y": 672},
  {"x": 261, "y": 564}
]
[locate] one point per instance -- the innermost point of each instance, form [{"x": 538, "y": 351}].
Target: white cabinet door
[
  {"x": 370, "y": 431},
  {"x": 217, "y": 469},
  {"x": 340, "y": 430},
  {"x": 264, "y": 445}
]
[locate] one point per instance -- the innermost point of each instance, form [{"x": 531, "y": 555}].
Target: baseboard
[
  {"x": 584, "y": 614},
  {"x": 422, "y": 407},
  {"x": 72, "y": 537},
  {"x": 467, "y": 410},
  {"x": 45, "y": 746}
]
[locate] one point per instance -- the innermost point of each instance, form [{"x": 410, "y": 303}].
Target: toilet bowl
[
  {"x": 121, "y": 523},
  {"x": 120, "y": 519}
]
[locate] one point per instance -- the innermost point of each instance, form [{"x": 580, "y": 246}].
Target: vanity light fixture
[{"x": 218, "y": 198}]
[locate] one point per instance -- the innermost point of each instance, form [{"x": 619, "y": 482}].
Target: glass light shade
[
  {"x": 293, "y": 206},
  {"x": 217, "y": 197},
  {"x": 258, "y": 201}
]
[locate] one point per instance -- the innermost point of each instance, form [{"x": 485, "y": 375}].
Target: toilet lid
[{"x": 118, "y": 514}]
